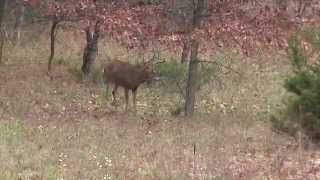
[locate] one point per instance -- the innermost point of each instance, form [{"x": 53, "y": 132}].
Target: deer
[{"x": 129, "y": 77}]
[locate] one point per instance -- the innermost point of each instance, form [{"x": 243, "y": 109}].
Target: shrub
[
  {"x": 303, "y": 104},
  {"x": 96, "y": 75},
  {"x": 60, "y": 61},
  {"x": 174, "y": 79},
  {"x": 174, "y": 76},
  {"x": 175, "y": 73},
  {"x": 155, "y": 2}
]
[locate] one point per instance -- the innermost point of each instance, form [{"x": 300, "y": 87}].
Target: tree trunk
[
  {"x": 91, "y": 50},
  {"x": 55, "y": 22},
  {"x": 1, "y": 44},
  {"x": 2, "y": 7},
  {"x": 192, "y": 79},
  {"x": 20, "y": 12},
  {"x": 282, "y": 5},
  {"x": 199, "y": 8},
  {"x": 185, "y": 51},
  {"x": 302, "y": 7},
  {"x": 2, "y": 38}
]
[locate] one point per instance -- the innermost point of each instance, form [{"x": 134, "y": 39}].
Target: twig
[
  {"x": 194, "y": 161},
  {"x": 160, "y": 62},
  {"x": 224, "y": 66}
]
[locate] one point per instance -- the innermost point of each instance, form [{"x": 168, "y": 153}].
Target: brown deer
[{"x": 128, "y": 76}]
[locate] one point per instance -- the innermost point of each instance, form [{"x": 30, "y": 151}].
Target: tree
[
  {"x": 91, "y": 49},
  {"x": 20, "y": 15},
  {"x": 2, "y": 38},
  {"x": 198, "y": 9},
  {"x": 85, "y": 13},
  {"x": 302, "y": 110},
  {"x": 192, "y": 79},
  {"x": 202, "y": 26},
  {"x": 227, "y": 22},
  {"x": 55, "y": 22}
]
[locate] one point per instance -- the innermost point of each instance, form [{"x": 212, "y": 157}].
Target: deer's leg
[
  {"x": 108, "y": 94},
  {"x": 107, "y": 91},
  {"x": 134, "y": 96},
  {"x": 126, "y": 93},
  {"x": 114, "y": 93}
]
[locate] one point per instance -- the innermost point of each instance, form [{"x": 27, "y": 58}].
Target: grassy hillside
[{"x": 60, "y": 127}]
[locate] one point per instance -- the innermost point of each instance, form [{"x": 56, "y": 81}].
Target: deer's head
[{"x": 151, "y": 74}]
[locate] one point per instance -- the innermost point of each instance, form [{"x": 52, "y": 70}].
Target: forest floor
[{"x": 58, "y": 127}]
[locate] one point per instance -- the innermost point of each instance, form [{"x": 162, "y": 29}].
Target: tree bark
[
  {"x": 302, "y": 7},
  {"x": 91, "y": 50},
  {"x": 2, "y": 7},
  {"x": 198, "y": 10},
  {"x": 282, "y": 5},
  {"x": 192, "y": 79},
  {"x": 20, "y": 12},
  {"x": 2, "y": 38},
  {"x": 185, "y": 51},
  {"x": 54, "y": 25}
]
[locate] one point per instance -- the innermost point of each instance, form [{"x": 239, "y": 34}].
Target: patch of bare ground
[{"x": 61, "y": 128}]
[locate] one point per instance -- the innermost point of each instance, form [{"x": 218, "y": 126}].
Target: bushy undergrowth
[
  {"x": 174, "y": 79},
  {"x": 174, "y": 75},
  {"x": 303, "y": 103},
  {"x": 94, "y": 77}
]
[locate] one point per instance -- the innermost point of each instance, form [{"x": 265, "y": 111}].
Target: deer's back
[{"x": 124, "y": 74}]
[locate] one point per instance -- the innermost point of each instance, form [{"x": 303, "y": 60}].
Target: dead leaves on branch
[{"x": 227, "y": 24}]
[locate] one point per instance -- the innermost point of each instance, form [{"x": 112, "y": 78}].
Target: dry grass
[{"x": 59, "y": 127}]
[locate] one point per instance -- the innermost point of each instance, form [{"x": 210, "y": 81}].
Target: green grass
[
  {"x": 11, "y": 133},
  {"x": 21, "y": 157}
]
